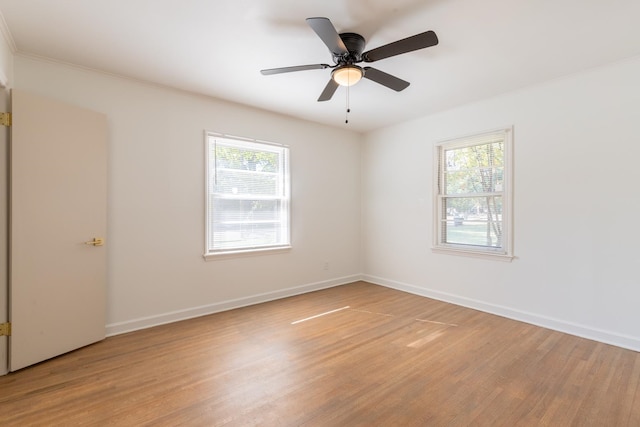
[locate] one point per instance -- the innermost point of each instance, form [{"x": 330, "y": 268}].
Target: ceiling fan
[{"x": 347, "y": 51}]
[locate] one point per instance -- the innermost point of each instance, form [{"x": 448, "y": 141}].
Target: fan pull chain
[{"x": 346, "y": 115}]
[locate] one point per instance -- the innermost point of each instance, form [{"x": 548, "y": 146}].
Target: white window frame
[
  {"x": 285, "y": 196},
  {"x": 503, "y": 253}
]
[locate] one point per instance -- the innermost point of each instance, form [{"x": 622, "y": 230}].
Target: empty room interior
[{"x": 325, "y": 213}]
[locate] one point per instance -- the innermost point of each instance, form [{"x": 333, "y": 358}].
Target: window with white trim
[
  {"x": 247, "y": 195},
  {"x": 473, "y": 195}
]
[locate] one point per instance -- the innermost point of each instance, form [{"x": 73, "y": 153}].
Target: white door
[{"x": 58, "y": 204}]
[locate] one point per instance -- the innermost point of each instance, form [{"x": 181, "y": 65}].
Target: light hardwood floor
[{"x": 384, "y": 358}]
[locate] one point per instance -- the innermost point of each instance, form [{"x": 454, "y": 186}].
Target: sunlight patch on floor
[
  {"x": 437, "y": 323},
  {"x": 320, "y": 315},
  {"x": 424, "y": 340}
]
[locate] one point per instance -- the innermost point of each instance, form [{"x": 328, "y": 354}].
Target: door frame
[{"x": 5, "y": 105}]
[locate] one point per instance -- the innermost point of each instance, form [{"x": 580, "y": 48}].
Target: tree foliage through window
[{"x": 471, "y": 192}]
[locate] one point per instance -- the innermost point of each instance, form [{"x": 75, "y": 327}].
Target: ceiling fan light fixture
[{"x": 347, "y": 75}]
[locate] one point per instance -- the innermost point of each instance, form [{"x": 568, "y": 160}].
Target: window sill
[
  {"x": 245, "y": 252},
  {"x": 496, "y": 256}
]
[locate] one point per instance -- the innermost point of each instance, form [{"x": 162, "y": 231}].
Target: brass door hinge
[
  {"x": 5, "y": 119},
  {"x": 5, "y": 329}
]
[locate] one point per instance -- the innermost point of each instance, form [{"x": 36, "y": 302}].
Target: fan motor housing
[{"x": 355, "y": 45}]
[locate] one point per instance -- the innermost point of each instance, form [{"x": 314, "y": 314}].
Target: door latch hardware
[{"x": 97, "y": 241}]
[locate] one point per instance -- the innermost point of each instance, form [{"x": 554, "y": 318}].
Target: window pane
[
  {"x": 248, "y": 195},
  {"x": 232, "y": 181},
  {"x": 472, "y": 234},
  {"x": 240, "y": 210},
  {"x": 247, "y": 235},
  {"x": 475, "y": 169},
  {"x": 475, "y": 156},
  {"x": 242, "y": 158},
  {"x": 473, "y": 221},
  {"x": 478, "y": 180},
  {"x": 247, "y": 223}
]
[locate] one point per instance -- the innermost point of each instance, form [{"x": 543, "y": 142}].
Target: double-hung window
[
  {"x": 247, "y": 195},
  {"x": 473, "y": 195}
]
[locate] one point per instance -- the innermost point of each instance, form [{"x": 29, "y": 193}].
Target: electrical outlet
[{"x": 325, "y": 266}]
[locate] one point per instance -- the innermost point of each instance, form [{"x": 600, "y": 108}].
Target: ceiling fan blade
[
  {"x": 270, "y": 71},
  {"x": 392, "y": 82},
  {"x": 328, "y": 91},
  {"x": 419, "y": 41},
  {"x": 328, "y": 34}
]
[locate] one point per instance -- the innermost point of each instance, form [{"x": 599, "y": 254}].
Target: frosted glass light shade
[{"x": 347, "y": 75}]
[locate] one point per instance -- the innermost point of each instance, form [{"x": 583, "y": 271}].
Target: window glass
[
  {"x": 473, "y": 194},
  {"x": 247, "y": 195}
]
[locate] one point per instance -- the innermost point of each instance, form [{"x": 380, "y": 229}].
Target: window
[
  {"x": 473, "y": 195},
  {"x": 247, "y": 195}
]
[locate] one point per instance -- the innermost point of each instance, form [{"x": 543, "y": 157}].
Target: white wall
[
  {"x": 577, "y": 209},
  {"x": 575, "y": 202},
  {"x": 156, "y": 198}
]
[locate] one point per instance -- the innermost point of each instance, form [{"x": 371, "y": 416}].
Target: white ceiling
[{"x": 218, "y": 47}]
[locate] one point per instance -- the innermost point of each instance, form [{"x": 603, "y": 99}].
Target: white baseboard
[
  {"x": 174, "y": 316},
  {"x": 607, "y": 337}
]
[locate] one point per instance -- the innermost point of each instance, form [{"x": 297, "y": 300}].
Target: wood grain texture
[{"x": 389, "y": 359}]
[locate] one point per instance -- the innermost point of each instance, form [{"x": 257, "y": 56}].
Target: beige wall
[
  {"x": 156, "y": 198},
  {"x": 575, "y": 174},
  {"x": 576, "y": 184}
]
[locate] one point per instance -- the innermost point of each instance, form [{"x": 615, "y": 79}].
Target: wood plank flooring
[{"x": 382, "y": 358}]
